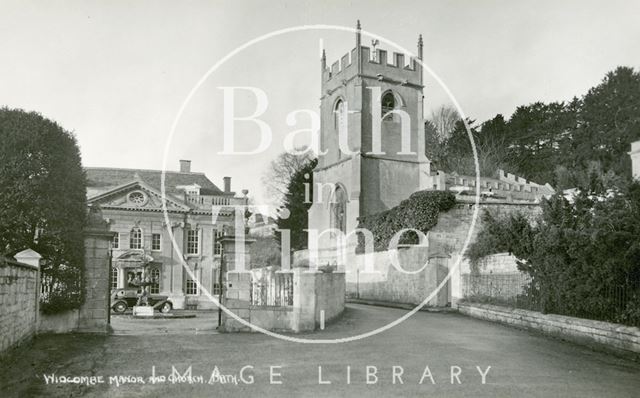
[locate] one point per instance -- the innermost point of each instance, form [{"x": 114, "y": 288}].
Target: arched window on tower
[
  {"x": 338, "y": 111},
  {"x": 339, "y": 209},
  {"x": 388, "y": 103},
  {"x": 339, "y": 121}
]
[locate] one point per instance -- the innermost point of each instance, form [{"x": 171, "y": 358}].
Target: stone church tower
[{"x": 374, "y": 100}]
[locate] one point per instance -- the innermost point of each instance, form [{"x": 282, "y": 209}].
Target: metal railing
[
  {"x": 272, "y": 289},
  {"x": 617, "y": 303},
  {"x": 505, "y": 286}
]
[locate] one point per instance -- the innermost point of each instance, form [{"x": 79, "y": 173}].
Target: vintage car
[{"x": 121, "y": 299}]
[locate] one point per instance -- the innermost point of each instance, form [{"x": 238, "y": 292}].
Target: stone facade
[
  {"x": 153, "y": 245},
  {"x": 19, "y": 282}
]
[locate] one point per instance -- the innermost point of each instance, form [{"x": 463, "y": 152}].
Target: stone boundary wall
[
  {"x": 374, "y": 277},
  {"x": 497, "y": 276},
  {"x": 613, "y": 337},
  {"x": 20, "y": 317},
  {"x": 18, "y": 303},
  {"x": 313, "y": 292},
  {"x": 500, "y": 263}
]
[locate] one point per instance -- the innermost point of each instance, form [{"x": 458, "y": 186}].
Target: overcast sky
[{"x": 116, "y": 72}]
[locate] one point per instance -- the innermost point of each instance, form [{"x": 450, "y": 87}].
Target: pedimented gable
[{"x": 136, "y": 196}]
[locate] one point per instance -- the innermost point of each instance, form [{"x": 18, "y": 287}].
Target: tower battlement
[
  {"x": 362, "y": 61},
  {"x": 370, "y": 60}
]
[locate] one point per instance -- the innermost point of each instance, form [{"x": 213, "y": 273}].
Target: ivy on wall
[{"x": 420, "y": 211}]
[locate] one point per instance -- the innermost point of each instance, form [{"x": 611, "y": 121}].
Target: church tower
[{"x": 376, "y": 104}]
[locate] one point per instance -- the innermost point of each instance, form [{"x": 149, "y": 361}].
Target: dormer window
[{"x": 190, "y": 190}]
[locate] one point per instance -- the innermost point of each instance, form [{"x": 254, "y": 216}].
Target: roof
[{"x": 102, "y": 179}]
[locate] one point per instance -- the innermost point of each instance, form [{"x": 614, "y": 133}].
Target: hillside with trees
[
  {"x": 582, "y": 253},
  {"x": 559, "y": 142}
]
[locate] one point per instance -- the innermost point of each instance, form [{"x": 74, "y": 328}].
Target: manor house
[{"x": 131, "y": 202}]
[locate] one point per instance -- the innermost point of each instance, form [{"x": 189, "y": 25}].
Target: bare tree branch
[{"x": 277, "y": 176}]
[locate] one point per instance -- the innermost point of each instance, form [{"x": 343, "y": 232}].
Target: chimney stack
[
  {"x": 227, "y": 184},
  {"x": 185, "y": 166}
]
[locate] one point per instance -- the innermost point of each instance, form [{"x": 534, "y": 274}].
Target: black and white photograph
[{"x": 297, "y": 198}]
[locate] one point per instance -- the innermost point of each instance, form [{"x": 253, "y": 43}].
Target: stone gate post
[
  {"x": 236, "y": 284},
  {"x": 93, "y": 317}
]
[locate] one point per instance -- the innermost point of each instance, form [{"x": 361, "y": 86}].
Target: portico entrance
[{"x": 136, "y": 281}]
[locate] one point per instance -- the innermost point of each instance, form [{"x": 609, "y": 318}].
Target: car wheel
[
  {"x": 120, "y": 307},
  {"x": 166, "y": 307}
]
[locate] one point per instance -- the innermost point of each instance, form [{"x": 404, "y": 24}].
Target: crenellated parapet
[
  {"x": 373, "y": 64},
  {"x": 507, "y": 186},
  {"x": 377, "y": 60}
]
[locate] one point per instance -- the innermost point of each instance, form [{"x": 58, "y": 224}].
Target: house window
[
  {"x": 388, "y": 105},
  {"x": 155, "y": 279},
  {"x": 114, "y": 278},
  {"x": 217, "y": 245},
  {"x": 115, "y": 243},
  {"x": 155, "y": 242},
  {"x": 339, "y": 209},
  {"x": 135, "y": 239},
  {"x": 191, "y": 287},
  {"x": 193, "y": 242}
]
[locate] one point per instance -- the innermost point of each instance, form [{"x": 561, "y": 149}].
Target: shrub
[
  {"x": 512, "y": 234},
  {"x": 583, "y": 256}
]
